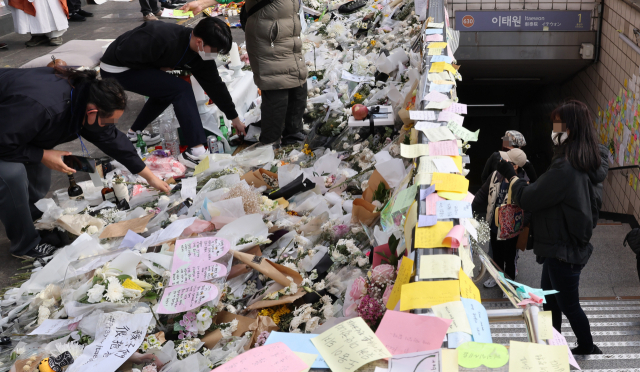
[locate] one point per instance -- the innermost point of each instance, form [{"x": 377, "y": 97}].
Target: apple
[
  {"x": 359, "y": 111},
  {"x": 56, "y": 62}
]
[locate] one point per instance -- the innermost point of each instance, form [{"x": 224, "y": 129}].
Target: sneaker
[
  {"x": 41, "y": 250},
  {"x": 168, "y": 5},
  {"x": 150, "y": 139},
  {"x": 292, "y": 139},
  {"x": 149, "y": 17},
  {"x": 158, "y": 13},
  {"x": 191, "y": 161},
  {"x": 3, "y": 45},
  {"x": 76, "y": 17},
  {"x": 580, "y": 351},
  {"x": 84, "y": 13},
  {"x": 36, "y": 40},
  {"x": 55, "y": 41},
  {"x": 490, "y": 283}
]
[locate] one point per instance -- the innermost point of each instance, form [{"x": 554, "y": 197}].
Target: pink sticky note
[
  {"x": 272, "y": 357},
  {"x": 450, "y": 116},
  {"x": 455, "y": 236},
  {"x": 193, "y": 260},
  {"x": 558, "y": 339},
  {"x": 457, "y": 108},
  {"x": 404, "y": 333},
  {"x": 435, "y": 96},
  {"x": 448, "y": 148},
  {"x": 186, "y": 297},
  {"x": 535, "y": 298},
  {"x": 435, "y": 37},
  {"x": 431, "y": 201},
  {"x": 469, "y": 197}
]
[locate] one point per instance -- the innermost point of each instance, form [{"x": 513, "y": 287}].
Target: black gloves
[
  {"x": 530, "y": 171},
  {"x": 506, "y": 169}
]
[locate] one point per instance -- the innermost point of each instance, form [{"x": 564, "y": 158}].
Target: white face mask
[
  {"x": 555, "y": 137},
  {"x": 207, "y": 56}
]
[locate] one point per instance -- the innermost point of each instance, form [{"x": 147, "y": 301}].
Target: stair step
[
  {"x": 593, "y": 324},
  {"x": 569, "y": 334}
]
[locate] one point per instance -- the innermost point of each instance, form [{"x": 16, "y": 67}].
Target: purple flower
[
  {"x": 371, "y": 310},
  {"x": 340, "y": 230}
]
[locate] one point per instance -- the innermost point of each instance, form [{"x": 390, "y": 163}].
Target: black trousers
[
  {"x": 74, "y": 6},
  {"x": 163, "y": 89},
  {"x": 504, "y": 254},
  {"x": 149, "y": 6},
  {"x": 282, "y": 111},
  {"x": 21, "y": 186}
]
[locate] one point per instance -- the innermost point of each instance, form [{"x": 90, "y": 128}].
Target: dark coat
[{"x": 40, "y": 111}]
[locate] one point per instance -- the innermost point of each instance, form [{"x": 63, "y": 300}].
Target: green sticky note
[
  {"x": 405, "y": 198},
  {"x": 475, "y": 354},
  {"x": 182, "y": 13}
]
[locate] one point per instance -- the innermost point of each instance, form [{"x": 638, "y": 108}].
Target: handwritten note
[
  {"x": 422, "y": 115},
  {"x": 455, "y": 311},
  {"x": 118, "y": 336},
  {"x": 434, "y": 38},
  {"x": 433, "y": 31},
  {"x": 202, "y": 166},
  {"x": 451, "y": 195},
  {"x": 418, "y": 361},
  {"x": 558, "y": 339},
  {"x": 403, "y": 277},
  {"x": 445, "y": 88},
  {"x": 51, "y": 326},
  {"x": 449, "y": 148},
  {"x": 298, "y": 342},
  {"x": 476, "y": 354},
  {"x": 445, "y": 165},
  {"x": 440, "y": 45},
  {"x": 455, "y": 237},
  {"x": 414, "y": 151},
  {"x": 468, "y": 288},
  {"x": 450, "y": 182},
  {"x": 426, "y": 221},
  {"x": 446, "y": 59},
  {"x": 423, "y": 295},
  {"x": 467, "y": 262},
  {"x": 422, "y": 178},
  {"x": 436, "y": 97},
  {"x": 405, "y": 333},
  {"x": 193, "y": 260},
  {"x": 432, "y": 236},
  {"x": 463, "y": 133},
  {"x": 350, "y": 345},
  {"x": 424, "y": 125},
  {"x": 478, "y": 320},
  {"x": 433, "y": 105},
  {"x": 274, "y": 357},
  {"x": 447, "y": 116},
  {"x": 186, "y": 297},
  {"x": 455, "y": 339},
  {"x": 428, "y": 166},
  {"x": 545, "y": 325},
  {"x": 434, "y": 52},
  {"x": 439, "y": 266},
  {"x": 453, "y": 209},
  {"x": 527, "y": 356},
  {"x": 457, "y": 108},
  {"x": 437, "y": 67}
]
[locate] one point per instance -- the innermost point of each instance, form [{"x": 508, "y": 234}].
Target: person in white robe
[{"x": 45, "y": 20}]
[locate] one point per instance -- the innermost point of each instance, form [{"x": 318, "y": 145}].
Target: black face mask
[{"x": 95, "y": 127}]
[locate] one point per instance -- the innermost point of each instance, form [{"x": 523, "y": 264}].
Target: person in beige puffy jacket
[{"x": 279, "y": 69}]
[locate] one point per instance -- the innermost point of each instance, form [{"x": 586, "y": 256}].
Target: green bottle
[
  {"x": 141, "y": 144},
  {"x": 223, "y": 128}
]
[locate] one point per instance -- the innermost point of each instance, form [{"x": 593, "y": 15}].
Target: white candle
[{"x": 234, "y": 56}]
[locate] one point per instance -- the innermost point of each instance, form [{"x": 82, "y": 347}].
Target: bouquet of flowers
[
  {"x": 370, "y": 294},
  {"x": 108, "y": 285}
]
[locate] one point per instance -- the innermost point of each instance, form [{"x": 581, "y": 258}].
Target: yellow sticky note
[
  {"x": 467, "y": 262},
  {"x": 423, "y": 179},
  {"x": 422, "y": 295},
  {"x": 435, "y": 52},
  {"x": 404, "y": 275},
  {"x": 527, "y": 356},
  {"x": 438, "y": 44},
  {"x": 353, "y": 337},
  {"x": 450, "y": 182},
  {"x": 449, "y": 360},
  {"x": 414, "y": 151},
  {"x": 545, "y": 325},
  {"x": 452, "y": 195},
  {"x": 455, "y": 311},
  {"x": 409, "y": 223},
  {"x": 449, "y": 68},
  {"x": 202, "y": 166},
  {"x": 440, "y": 266},
  {"x": 468, "y": 289},
  {"x": 432, "y": 236},
  {"x": 308, "y": 359},
  {"x": 437, "y": 66}
]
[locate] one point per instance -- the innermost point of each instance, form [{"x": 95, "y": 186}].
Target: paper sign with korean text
[
  {"x": 185, "y": 297},
  {"x": 193, "y": 260}
]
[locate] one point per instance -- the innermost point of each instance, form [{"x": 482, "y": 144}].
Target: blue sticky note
[
  {"x": 433, "y": 31},
  {"x": 426, "y": 192},
  {"x": 442, "y": 88},
  {"x": 425, "y": 221},
  {"x": 478, "y": 320},
  {"x": 524, "y": 290},
  {"x": 446, "y": 209},
  {"x": 446, "y": 59},
  {"x": 455, "y": 339},
  {"x": 300, "y": 342}
]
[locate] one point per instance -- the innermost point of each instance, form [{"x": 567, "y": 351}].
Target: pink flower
[
  {"x": 150, "y": 368},
  {"x": 382, "y": 273},
  {"x": 358, "y": 289},
  {"x": 371, "y": 310},
  {"x": 387, "y": 293}
]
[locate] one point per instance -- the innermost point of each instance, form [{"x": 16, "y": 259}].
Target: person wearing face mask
[
  {"x": 48, "y": 107},
  {"x": 512, "y": 140},
  {"x": 564, "y": 205},
  {"x": 138, "y": 60}
]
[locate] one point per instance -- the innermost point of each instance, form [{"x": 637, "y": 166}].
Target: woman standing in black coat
[{"x": 564, "y": 204}]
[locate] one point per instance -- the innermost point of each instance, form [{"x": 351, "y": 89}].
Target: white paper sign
[
  {"x": 422, "y": 115},
  {"x": 118, "y": 336},
  {"x": 357, "y": 78},
  {"x": 424, "y": 125},
  {"x": 445, "y": 165},
  {"x": 189, "y": 187},
  {"x": 51, "y": 326}
]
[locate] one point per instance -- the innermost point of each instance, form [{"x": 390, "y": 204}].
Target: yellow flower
[
  {"x": 357, "y": 96},
  {"x": 353, "y": 102},
  {"x": 373, "y": 42}
]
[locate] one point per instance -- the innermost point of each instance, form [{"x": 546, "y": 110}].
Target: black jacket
[
  {"x": 492, "y": 164},
  {"x": 154, "y": 45},
  {"x": 564, "y": 203},
  {"x": 481, "y": 198},
  {"x": 40, "y": 111}
]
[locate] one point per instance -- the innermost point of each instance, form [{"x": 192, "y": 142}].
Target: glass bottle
[
  {"x": 74, "y": 190},
  {"x": 141, "y": 144},
  {"x": 107, "y": 193},
  {"x": 224, "y": 129}
]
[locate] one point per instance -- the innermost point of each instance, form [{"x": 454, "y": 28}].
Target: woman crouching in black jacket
[{"x": 562, "y": 202}]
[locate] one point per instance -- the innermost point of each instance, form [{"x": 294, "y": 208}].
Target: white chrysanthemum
[
  {"x": 74, "y": 348},
  {"x": 336, "y": 28},
  {"x": 360, "y": 66},
  {"x": 43, "y": 314},
  {"x": 319, "y": 285},
  {"x": 312, "y": 324},
  {"x": 92, "y": 230},
  {"x": 95, "y": 293},
  {"x": 295, "y": 323},
  {"x": 362, "y": 261},
  {"x": 203, "y": 315},
  {"x": 115, "y": 291}
]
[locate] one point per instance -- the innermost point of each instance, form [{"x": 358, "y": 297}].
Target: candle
[{"x": 234, "y": 56}]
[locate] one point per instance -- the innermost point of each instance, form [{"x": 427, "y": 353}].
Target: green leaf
[
  {"x": 177, "y": 327},
  {"x": 123, "y": 277},
  {"x": 151, "y": 295}
]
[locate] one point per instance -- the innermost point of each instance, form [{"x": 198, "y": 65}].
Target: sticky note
[
  {"x": 405, "y": 198},
  {"x": 434, "y": 105},
  {"x": 432, "y": 236},
  {"x": 436, "y": 97},
  {"x": 277, "y": 356},
  {"x": 355, "y": 336},
  {"x": 478, "y": 320},
  {"x": 453, "y": 209},
  {"x": 463, "y": 133},
  {"x": 436, "y": 87},
  {"x": 527, "y": 356},
  {"x": 437, "y": 67},
  {"x": 181, "y": 13},
  {"x": 448, "y": 117},
  {"x": 558, "y": 339},
  {"x": 203, "y": 165},
  {"x": 440, "y": 266},
  {"x": 450, "y": 182},
  {"x": 440, "y": 58},
  {"x": 426, "y": 192},
  {"x": 440, "y": 45},
  {"x": 422, "y": 178},
  {"x": 457, "y": 108},
  {"x": 422, "y": 115},
  {"x": 545, "y": 325},
  {"x": 308, "y": 359},
  {"x": 403, "y": 277},
  {"x": 435, "y": 52},
  {"x": 455, "y": 237},
  {"x": 468, "y": 289},
  {"x": 467, "y": 262},
  {"x": 445, "y": 165},
  {"x": 451, "y": 195},
  {"x": 455, "y": 339},
  {"x": 449, "y": 360},
  {"x": 432, "y": 31},
  {"x": 422, "y": 295},
  {"x": 431, "y": 202},
  {"x": 449, "y": 148},
  {"x": 414, "y": 151},
  {"x": 453, "y": 310},
  {"x": 426, "y": 221},
  {"x": 476, "y": 354},
  {"x": 298, "y": 342},
  {"x": 434, "y": 38},
  {"x": 404, "y": 333}
]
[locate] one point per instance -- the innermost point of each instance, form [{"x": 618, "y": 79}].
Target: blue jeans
[{"x": 565, "y": 278}]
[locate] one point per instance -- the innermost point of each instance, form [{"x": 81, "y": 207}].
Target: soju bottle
[
  {"x": 224, "y": 129},
  {"x": 141, "y": 144}
]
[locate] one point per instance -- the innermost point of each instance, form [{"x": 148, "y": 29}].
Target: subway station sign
[{"x": 526, "y": 20}]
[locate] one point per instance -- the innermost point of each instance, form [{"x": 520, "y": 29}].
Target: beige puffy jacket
[{"x": 274, "y": 45}]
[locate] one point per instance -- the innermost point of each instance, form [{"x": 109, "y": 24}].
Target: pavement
[{"x": 110, "y": 20}]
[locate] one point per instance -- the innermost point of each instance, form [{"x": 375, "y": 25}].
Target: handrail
[{"x": 625, "y": 167}]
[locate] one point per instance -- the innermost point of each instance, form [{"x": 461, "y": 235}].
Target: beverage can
[{"x": 215, "y": 146}]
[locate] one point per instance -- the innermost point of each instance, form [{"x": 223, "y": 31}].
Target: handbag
[
  {"x": 633, "y": 238},
  {"x": 509, "y": 218},
  {"x": 523, "y": 239}
]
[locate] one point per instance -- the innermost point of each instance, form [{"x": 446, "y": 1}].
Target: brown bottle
[
  {"x": 74, "y": 190},
  {"x": 107, "y": 193}
]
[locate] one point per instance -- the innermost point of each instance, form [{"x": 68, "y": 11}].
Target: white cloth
[
  {"x": 112, "y": 69},
  {"x": 49, "y": 17}
]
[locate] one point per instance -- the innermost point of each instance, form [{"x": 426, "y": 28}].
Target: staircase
[{"x": 615, "y": 326}]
